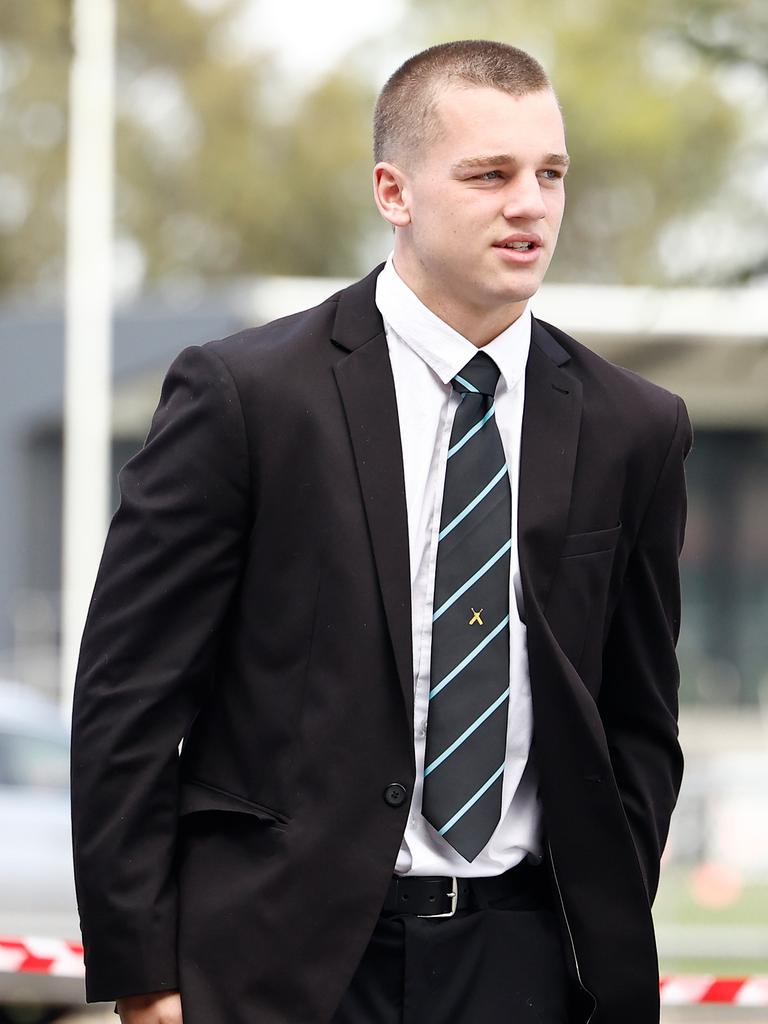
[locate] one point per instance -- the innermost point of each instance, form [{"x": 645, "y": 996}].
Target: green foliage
[
  {"x": 318, "y": 189},
  {"x": 34, "y": 60},
  {"x": 732, "y": 32},
  {"x": 220, "y": 174}
]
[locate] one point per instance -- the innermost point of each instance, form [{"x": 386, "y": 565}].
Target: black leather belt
[{"x": 523, "y": 887}]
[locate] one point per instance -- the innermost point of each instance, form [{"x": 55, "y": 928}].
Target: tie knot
[{"x": 480, "y": 374}]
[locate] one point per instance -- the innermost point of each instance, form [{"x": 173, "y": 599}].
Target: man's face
[{"x": 493, "y": 177}]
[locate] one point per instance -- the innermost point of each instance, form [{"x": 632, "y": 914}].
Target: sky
[
  {"x": 307, "y": 38},
  {"x": 328, "y": 29}
]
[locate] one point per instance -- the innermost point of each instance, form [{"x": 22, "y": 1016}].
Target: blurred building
[{"x": 710, "y": 346}]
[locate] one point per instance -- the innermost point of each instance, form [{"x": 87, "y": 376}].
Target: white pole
[{"x": 88, "y": 356}]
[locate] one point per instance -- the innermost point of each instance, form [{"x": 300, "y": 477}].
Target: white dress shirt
[{"x": 426, "y": 354}]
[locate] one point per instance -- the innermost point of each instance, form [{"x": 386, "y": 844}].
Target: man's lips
[
  {"x": 519, "y": 248},
  {"x": 527, "y": 239}
]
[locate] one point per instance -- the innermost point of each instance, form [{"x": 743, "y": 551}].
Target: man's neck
[{"x": 478, "y": 325}]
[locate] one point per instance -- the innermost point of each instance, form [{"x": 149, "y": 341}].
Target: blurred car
[{"x": 37, "y": 897}]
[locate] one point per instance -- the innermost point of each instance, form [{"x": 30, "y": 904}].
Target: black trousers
[{"x": 497, "y": 964}]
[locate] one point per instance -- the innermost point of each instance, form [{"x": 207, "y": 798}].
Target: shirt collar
[{"x": 439, "y": 345}]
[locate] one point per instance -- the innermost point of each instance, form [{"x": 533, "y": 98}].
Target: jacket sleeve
[
  {"x": 172, "y": 559},
  {"x": 639, "y": 697}
]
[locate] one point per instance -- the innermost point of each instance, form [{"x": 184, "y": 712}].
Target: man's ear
[{"x": 390, "y": 193}]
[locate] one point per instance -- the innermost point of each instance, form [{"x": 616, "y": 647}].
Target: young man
[{"x": 402, "y": 572}]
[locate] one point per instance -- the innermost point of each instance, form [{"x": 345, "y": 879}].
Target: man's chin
[
  {"x": 488, "y": 294},
  {"x": 521, "y": 291}
]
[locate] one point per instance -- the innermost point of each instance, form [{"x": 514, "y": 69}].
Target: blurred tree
[
  {"x": 33, "y": 89},
  {"x": 732, "y": 35},
  {"x": 730, "y": 31},
  {"x": 221, "y": 171},
  {"x": 212, "y": 178}
]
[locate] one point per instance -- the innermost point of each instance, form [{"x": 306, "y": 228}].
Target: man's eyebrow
[{"x": 504, "y": 159}]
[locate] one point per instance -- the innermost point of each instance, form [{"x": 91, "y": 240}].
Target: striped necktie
[{"x": 469, "y": 690}]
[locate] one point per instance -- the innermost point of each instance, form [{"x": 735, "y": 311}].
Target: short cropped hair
[{"x": 405, "y": 120}]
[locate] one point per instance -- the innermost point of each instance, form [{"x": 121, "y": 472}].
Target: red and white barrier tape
[
  {"x": 56, "y": 957},
  {"x": 692, "y": 990},
  {"x": 63, "y": 959}
]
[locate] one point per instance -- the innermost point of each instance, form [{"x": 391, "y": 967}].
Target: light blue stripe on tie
[
  {"x": 472, "y": 431},
  {"x": 475, "y": 501},
  {"x": 472, "y": 801},
  {"x": 467, "y": 732},
  {"x": 470, "y": 657},
  {"x": 472, "y": 579},
  {"x": 466, "y": 384}
]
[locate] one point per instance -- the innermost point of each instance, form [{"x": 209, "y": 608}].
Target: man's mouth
[
  {"x": 522, "y": 248},
  {"x": 522, "y": 241}
]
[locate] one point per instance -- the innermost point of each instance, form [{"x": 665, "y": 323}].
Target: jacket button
[{"x": 395, "y": 794}]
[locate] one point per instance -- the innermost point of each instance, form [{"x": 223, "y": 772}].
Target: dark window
[{"x": 724, "y": 640}]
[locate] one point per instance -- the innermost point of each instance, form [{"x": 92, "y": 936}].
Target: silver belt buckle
[{"x": 454, "y": 894}]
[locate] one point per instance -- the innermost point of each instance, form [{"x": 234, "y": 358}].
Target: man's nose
[{"x": 524, "y": 200}]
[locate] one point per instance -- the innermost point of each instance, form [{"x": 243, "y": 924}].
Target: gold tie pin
[{"x": 475, "y": 617}]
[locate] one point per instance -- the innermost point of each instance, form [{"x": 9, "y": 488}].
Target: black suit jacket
[{"x": 254, "y": 600}]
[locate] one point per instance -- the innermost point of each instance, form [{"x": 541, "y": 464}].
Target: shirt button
[{"x": 395, "y": 794}]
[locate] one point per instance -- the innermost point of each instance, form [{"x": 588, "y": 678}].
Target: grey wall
[{"x": 147, "y": 336}]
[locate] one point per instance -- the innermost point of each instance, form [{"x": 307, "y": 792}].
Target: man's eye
[
  {"x": 490, "y": 175},
  {"x": 555, "y": 174}
]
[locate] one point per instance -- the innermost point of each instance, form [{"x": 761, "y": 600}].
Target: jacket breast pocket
[
  {"x": 592, "y": 542},
  {"x": 578, "y": 597}
]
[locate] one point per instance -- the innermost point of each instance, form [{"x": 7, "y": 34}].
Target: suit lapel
[
  {"x": 550, "y": 436},
  {"x": 366, "y": 385}
]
